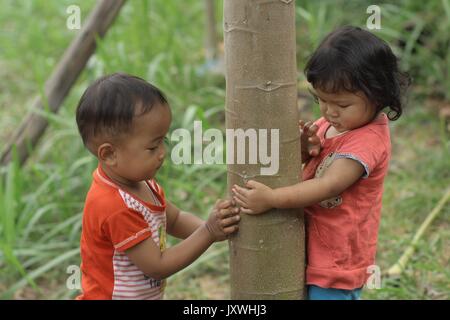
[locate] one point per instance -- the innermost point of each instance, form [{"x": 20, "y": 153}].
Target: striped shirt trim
[{"x": 135, "y": 236}]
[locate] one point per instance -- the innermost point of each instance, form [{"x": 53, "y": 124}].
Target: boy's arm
[
  {"x": 338, "y": 177},
  {"x": 181, "y": 224},
  {"x": 147, "y": 256}
]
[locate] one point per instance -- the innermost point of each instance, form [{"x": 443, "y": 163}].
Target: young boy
[{"x": 123, "y": 120}]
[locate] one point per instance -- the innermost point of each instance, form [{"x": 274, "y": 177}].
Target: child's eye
[{"x": 343, "y": 106}]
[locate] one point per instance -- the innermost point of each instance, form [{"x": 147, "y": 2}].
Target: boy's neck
[
  {"x": 120, "y": 181},
  {"x": 136, "y": 188}
]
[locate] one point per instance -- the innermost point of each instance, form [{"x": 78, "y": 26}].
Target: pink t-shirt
[{"x": 342, "y": 232}]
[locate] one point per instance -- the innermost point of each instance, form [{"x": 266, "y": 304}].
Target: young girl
[{"x": 354, "y": 76}]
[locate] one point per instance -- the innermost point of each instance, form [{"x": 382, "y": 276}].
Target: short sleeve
[
  {"x": 126, "y": 228},
  {"x": 368, "y": 149}
]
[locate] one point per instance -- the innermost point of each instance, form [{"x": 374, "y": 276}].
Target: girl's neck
[{"x": 332, "y": 132}]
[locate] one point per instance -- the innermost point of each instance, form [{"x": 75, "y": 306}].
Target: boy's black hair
[
  {"x": 110, "y": 103},
  {"x": 352, "y": 59}
]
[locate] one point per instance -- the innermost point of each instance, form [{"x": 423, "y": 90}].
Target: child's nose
[
  {"x": 162, "y": 155},
  {"x": 331, "y": 111}
]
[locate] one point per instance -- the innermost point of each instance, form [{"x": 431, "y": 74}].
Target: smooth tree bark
[{"x": 267, "y": 256}]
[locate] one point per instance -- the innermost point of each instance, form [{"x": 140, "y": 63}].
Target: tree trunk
[{"x": 267, "y": 254}]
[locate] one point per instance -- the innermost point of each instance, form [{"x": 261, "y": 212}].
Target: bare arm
[
  {"x": 259, "y": 198},
  {"x": 159, "y": 265},
  {"x": 181, "y": 224}
]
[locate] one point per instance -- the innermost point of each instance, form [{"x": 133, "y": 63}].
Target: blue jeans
[{"x": 318, "y": 293}]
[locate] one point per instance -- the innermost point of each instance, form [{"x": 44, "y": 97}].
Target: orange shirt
[
  {"x": 114, "y": 221},
  {"x": 342, "y": 232}
]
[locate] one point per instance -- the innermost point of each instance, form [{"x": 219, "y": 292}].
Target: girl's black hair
[
  {"x": 352, "y": 59},
  {"x": 110, "y": 103}
]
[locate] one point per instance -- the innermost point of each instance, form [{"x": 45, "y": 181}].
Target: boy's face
[
  {"x": 345, "y": 110},
  {"x": 141, "y": 152}
]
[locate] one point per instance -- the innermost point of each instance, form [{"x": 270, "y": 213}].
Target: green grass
[
  {"x": 418, "y": 177},
  {"x": 162, "y": 41}
]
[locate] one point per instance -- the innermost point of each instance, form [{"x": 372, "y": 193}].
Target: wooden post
[
  {"x": 267, "y": 255},
  {"x": 211, "y": 32},
  {"x": 62, "y": 79}
]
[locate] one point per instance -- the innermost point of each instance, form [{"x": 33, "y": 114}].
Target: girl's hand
[
  {"x": 310, "y": 142},
  {"x": 256, "y": 199}
]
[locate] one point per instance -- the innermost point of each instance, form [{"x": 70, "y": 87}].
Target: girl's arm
[
  {"x": 181, "y": 224},
  {"x": 338, "y": 177}
]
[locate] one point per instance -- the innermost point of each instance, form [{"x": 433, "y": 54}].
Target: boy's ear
[{"x": 107, "y": 154}]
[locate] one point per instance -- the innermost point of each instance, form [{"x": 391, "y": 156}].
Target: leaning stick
[
  {"x": 397, "y": 269},
  {"x": 61, "y": 80},
  {"x": 211, "y": 34}
]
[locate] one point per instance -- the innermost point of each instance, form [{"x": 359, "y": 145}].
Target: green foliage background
[{"x": 163, "y": 42}]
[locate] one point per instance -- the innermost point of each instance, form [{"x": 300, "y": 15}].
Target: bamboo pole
[
  {"x": 61, "y": 80},
  {"x": 211, "y": 32},
  {"x": 267, "y": 254},
  {"x": 397, "y": 269}
]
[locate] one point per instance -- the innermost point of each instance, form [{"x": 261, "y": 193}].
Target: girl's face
[{"x": 345, "y": 110}]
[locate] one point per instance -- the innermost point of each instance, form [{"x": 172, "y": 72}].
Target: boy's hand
[
  {"x": 256, "y": 199},
  {"x": 223, "y": 219},
  {"x": 310, "y": 142}
]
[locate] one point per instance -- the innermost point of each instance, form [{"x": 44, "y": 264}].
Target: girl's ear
[{"x": 107, "y": 154}]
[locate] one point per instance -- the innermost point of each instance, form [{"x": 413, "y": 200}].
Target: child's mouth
[{"x": 334, "y": 124}]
